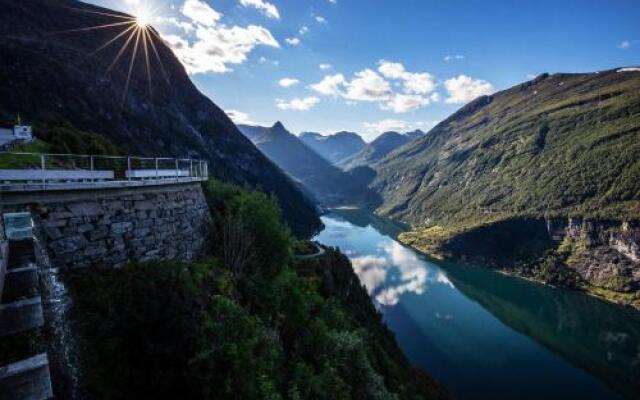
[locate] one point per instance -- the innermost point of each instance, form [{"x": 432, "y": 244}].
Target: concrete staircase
[{"x": 24, "y": 366}]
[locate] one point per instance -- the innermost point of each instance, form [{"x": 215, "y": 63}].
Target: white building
[{"x": 22, "y": 133}]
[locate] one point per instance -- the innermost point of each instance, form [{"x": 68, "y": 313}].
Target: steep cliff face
[
  {"x": 605, "y": 255},
  {"x": 53, "y": 75},
  {"x": 601, "y": 257}
]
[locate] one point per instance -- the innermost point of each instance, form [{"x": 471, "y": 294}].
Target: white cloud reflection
[{"x": 386, "y": 287}]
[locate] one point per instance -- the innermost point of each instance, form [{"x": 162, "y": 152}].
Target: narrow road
[{"x": 319, "y": 253}]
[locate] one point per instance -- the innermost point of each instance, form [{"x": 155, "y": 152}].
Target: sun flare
[
  {"x": 143, "y": 18},
  {"x": 136, "y": 38}
]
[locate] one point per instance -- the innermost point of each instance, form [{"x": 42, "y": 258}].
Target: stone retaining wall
[
  {"x": 111, "y": 227},
  {"x": 4, "y": 254}
]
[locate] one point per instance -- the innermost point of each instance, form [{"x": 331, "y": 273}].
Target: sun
[
  {"x": 143, "y": 17},
  {"x": 142, "y": 20},
  {"x": 135, "y": 35}
]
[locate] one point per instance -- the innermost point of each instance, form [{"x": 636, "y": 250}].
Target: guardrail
[{"x": 34, "y": 171}]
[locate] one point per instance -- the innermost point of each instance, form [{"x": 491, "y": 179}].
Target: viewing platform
[{"x": 22, "y": 172}]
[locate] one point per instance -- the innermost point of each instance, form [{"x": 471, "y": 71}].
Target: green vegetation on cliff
[
  {"x": 481, "y": 184},
  {"x": 562, "y": 144},
  {"x": 250, "y": 322}
]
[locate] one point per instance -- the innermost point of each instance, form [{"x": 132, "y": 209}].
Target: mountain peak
[{"x": 278, "y": 126}]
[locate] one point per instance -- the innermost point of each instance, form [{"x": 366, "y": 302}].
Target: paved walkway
[{"x": 319, "y": 253}]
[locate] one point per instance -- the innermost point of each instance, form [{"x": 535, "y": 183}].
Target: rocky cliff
[{"x": 601, "y": 257}]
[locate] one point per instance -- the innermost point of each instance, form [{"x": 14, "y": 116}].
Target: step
[
  {"x": 20, "y": 283},
  {"x": 20, "y": 316},
  {"x": 28, "y": 379},
  {"x": 21, "y": 253}
]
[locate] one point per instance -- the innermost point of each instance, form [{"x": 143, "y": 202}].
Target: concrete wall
[{"x": 111, "y": 227}]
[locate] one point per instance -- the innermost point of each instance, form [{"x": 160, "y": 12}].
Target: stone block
[
  {"x": 85, "y": 209},
  {"x": 52, "y": 232},
  {"x": 68, "y": 244},
  {"x": 145, "y": 205},
  {"x": 84, "y": 228},
  {"x": 95, "y": 250},
  {"x": 100, "y": 232},
  {"x": 141, "y": 232},
  {"x": 121, "y": 227}
]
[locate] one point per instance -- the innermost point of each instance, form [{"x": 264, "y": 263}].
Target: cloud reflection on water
[{"x": 378, "y": 273}]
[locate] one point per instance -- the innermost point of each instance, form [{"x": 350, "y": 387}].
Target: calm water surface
[{"x": 489, "y": 336}]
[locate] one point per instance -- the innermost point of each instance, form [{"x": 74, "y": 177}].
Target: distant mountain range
[
  {"x": 329, "y": 184},
  {"x": 379, "y": 148},
  {"x": 47, "y": 76},
  {"x": 334, "y": 148}
]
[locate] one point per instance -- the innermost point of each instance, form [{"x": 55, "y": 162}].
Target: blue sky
[{"x": 372, "y": 65}]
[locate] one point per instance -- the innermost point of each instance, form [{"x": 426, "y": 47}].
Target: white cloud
[
  {"x": 417, "y": 89},
  {"x": 371, "y": 270},
  {"x": 320, "y": 19},
  {"x": 629, "y": 69},
  {"x": 368, "y": 85},
  {"x": 414, "y": 83},
  {"x": 298, "y": 104},
  {"x": 265, "y": 60},
  {"x": 324, "y": 67},
  {"x": 385, "y": 125},
  {"x": 391, "y": 70},
  {"x": 402, "y": 103},
  {"x": 183, "y": 25},
  {"x": 333, "y": 1},
  {"x": 449, "y": 58},
  {"x": 413, "y": 274},
  {"x": 200, "y": 12},
  {"x": 239, "y": 117},
  {"x": 293, "y": 41},
  {"x": 267, "y": 9},
  {"x": 330, "y": 85},
  {"x": 213, "y": 45},
  {"x": 304, "y": 30},
  {"x": 288, "y": 82},
  {"x": 625, "y": 44},
  {"x": 462, "y": 89}
]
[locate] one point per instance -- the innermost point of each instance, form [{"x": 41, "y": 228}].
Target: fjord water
[{"x": 485, "y": 335}]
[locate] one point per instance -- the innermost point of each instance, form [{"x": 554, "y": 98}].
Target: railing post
[
  {"x": 177, "y": 171},
  {"x": 191, "y": 168},
  {"x": 156, "y": 169},
  {"x": 44, "y": 173},
  {"x": 93, "y": 178},
  {"x": 129, "y": 167}
]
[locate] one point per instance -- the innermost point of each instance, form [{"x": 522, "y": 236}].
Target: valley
[{"x": 219, "y": 201}]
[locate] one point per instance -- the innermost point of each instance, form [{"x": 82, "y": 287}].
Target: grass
[{"x": 11, "y": 160}]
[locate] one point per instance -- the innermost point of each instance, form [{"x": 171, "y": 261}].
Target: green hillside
[
  {"x": 541, "y": 180},
  {"x": 562, "y": 144}
]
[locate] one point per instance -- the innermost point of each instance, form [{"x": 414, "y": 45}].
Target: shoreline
[{"x": 504, "y": 272}]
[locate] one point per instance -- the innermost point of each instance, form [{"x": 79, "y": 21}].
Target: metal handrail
[{"x": 173, "y": 169}]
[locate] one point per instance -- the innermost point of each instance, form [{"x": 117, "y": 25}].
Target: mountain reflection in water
[{"x": 484, "y": 334}]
